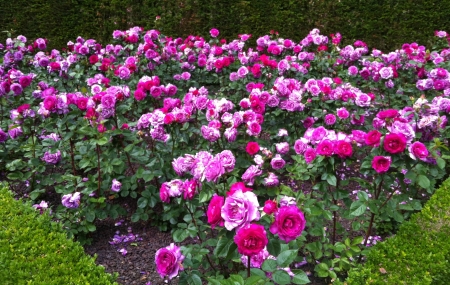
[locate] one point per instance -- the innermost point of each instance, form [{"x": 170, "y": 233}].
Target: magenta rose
[
  {"x": 270, "y": 207},
  {"x": 373, "y": 138},
  {"x": 240, "y": 209},
  {"x": 251, "y": 240},
  {"x": 289, "y": 223},
  {"x": 325, "y": 148},
  {"x": 168, "y": 261},
  {"x": 418, "y": 150},
  {"x": 343, "y": 149},
  {"x": 381, "y": 164},
  {"x": 310, "y": 155},
  {"x": 394, "y": 143},
  {"x": 252, "y": 148},
  {"x": 214, "y": 211}
]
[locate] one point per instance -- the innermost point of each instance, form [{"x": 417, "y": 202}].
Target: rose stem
[{"x": 248, "y": 266}]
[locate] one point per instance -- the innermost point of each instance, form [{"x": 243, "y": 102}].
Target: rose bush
[{"x": 247, "y": 150}]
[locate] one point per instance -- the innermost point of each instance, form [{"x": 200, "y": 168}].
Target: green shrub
[
  {"x": 418, "y": 254},
  {"x": 34, "y": 250}
]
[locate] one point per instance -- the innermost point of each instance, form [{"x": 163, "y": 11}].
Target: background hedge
[{"x": 384, "y": 24}]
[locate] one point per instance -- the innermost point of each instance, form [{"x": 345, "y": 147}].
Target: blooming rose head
[
  {"x": 52, "y": 158},
  {"x": 214, "y": 32},
  {"x": 240, "y": 209},
  {"x": 418, "y": 150},
  {"x": 289, "y": 223},
  {"x": 168, "y": 261},
  {"x": 270, "y": 207},
  {"x": 381, "y": 164},
  {"x": 373, "y": 138},
  {"x": 310, "y": 154},
  {"x": 251, "y": 240},
  {"x": 394, "y": 143},
  {"x": 214, "y": 211},
  {"x": 343, "y": 149},
  {"x": 252, "y": 148},
  {"x": 238, "y": 186},
  {"x": 190, "y": 187},
  {"x": 71, "y": 200},
  {"x": 325, "y": 148},
  {"x": 277, "y": 162},
  {"x": 115, "y": 187}
]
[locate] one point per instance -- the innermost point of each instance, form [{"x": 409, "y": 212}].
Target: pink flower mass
[{"x": 169, "y": 261}]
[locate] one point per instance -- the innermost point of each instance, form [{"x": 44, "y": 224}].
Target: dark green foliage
[
  {"x": 34, "y": 250},
  {"x": 385, "y": 25},
  {"x": 418, "y": 254}
]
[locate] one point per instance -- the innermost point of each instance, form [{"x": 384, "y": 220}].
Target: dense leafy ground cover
[{"x": 248, "y": 150}]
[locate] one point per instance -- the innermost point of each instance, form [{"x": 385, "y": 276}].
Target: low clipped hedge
[
  {"x": 418, "y": 254},
  {"x": 35, "y": 250}
]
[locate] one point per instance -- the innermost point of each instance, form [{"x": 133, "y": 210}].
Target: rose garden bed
[{"x": 281, "y": 161}]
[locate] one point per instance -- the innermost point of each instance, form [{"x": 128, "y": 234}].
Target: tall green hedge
[
  {"x": 34, "y": 250},
  {"x": 384, "y": 24}
]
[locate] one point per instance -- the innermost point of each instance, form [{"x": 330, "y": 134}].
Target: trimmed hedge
[
  {"x": 385, "y": 25},
  {"x": 418, "y": 254},
  {"x": 34, "y": 250}
]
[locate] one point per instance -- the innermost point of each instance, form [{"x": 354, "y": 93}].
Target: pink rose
[
  {"x": 168, "y": 261},
  {"x": 343, "y": 149},
  {"x": 251, "y": 240},
  {"x": 289, "y": 223},
  {"x": 418, "y": 150},
  {"x": 381, "y": 164},
  {"x": 50, "y": 102},
  {"x": 214, "y": 32},
  {"x": 252, "y": 148},
  {"x": 240, "y": 209},
  {"x": 373, "y": 138},
  {"x": 325, "y": 148},
  {"x": 238, "y": 186},
  {"x": 270, "y": 207},
  {"x": 394, "y": 143},
  {"x": 310, "y": 154},
  {"x": 214, "y": 211}
]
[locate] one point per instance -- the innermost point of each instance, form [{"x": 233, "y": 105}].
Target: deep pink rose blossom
[
  {"x": 214, "y": 211},
  {"x": 251, "y": 240},
  {"x": 168, "y": 261},
  {"x": 381, "y": 164},
  {"x": 289, "y": 223},
  {"x": 394, "y": 143}
]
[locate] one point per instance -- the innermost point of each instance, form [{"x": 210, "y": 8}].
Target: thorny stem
[
  {"x": 98, "y": 168},
  {"x": 248, "y": 266},
  {"x": 372, "y": 217},
  {"x": 198, "y": 235},
  {"x": 72, "y": 153}
]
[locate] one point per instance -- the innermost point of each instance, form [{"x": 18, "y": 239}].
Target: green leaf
[
  {"x": 286, "y": 257},
  {"x": 102, "y": 141},
  {"x": 90, "y": 216},
  {"x": 331, "y": 179},
  {"x": 258, "y": 272},
  {"x": 440, "y": 163},
  {"x": 300, "y": 278},
  {"x": 274, "y": 247},
  {"x": 191, "y": 279},
  {"x": 223, "y": 247},
  {"x": 252, "y": 280},
  {"x": 423, "y": 181},
  {"x": 180, "y": 235},
  {"x": 281, "y": 277},
  {"x": 357, "y": 240},
  {"x": 362, "y": 195},
  {"x": 357, "y": 208},
  {"x": 269, "y": 265},
  {"x": 142, "y": 202},
  {"x": 237, "y": 279}
]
